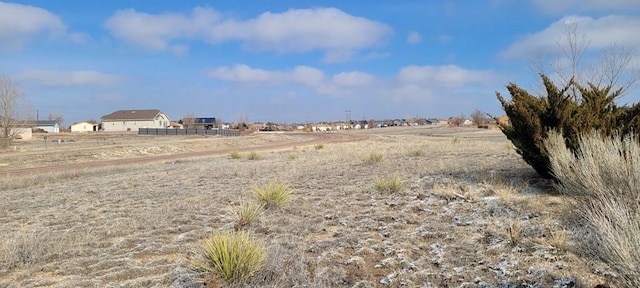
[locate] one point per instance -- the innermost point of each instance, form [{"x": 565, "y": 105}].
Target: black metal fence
[{"x": 163, "y": 131}]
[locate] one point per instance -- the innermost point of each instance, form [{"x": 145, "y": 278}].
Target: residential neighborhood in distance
[{"x": 135, "y": 119}]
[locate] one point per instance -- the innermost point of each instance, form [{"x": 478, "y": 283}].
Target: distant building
[
  {"x": 504, "y": 120},
  {"x": 84, "y": 127},
  {"x": 199, "y": 123},
  {"x": 205, "y": 123},
  {"x": 47, "y": 126},
  {"x": 132, "y": 120},
  {"x": 175, "y": 125}
]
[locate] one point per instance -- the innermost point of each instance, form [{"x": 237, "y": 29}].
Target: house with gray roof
[{"x": 132, "y": 120}]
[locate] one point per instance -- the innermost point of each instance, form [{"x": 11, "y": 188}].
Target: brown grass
[{"x": 140, "y": 226}]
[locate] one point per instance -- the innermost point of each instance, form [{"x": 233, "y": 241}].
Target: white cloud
[
  {"x": 307, "y": 75},
  {"x": 410, "y": 82},
  {"x": 155, "y": 32},
  {"x": 338, "y": 34},
  {"x": 449, "y": 76},
  {"x": 414, "y": 37},
  {"x": 241, "y": 73},
  {"x": 600, "y": 32},
  {"x": 353, "y": 79},
  {"x": 19, "y": 23},
  {"x": 561, "y": 6},
  {"x": 54, "y": 78}
]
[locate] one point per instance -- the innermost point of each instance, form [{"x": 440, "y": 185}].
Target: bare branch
[
  {"x": 13, "y": 109},
  {"x": 576, "y": 67}
]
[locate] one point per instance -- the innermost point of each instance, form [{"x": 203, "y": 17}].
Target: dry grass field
[{"x": 468, "y": 213}]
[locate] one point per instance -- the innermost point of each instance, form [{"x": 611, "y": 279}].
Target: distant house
[
  {"x": 84, "y": 127},
  {"x": 132, "y": 120},
  {"x": 47, "y": 126},
  {"x": 199, "y": 123},
  {"x": 24, "y": 133},
  {"x": 504, "y": 119},
  {"x": 205, "y": 123},
  {"x": 175, "y": 125},
  {"x": 17, "y": 130},
  {"x": 433, "y": 121}
]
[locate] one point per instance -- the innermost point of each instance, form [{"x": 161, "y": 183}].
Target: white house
[
  {"x": 21, "y": 132},
  {"x": 132, "y": 120},
  {"x": 84, "y": 127},
  {"x": 48, "y": 126}
]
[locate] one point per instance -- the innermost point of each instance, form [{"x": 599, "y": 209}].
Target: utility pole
[{"x": 347, "y": 115}]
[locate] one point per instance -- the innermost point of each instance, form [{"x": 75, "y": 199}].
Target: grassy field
[{"x": 406, "y": 207}]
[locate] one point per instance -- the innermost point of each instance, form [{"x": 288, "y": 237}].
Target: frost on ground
[{"x": 471, "y": 214}]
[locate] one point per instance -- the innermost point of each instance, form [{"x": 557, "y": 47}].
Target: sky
[{"x": 295, "y": 61}]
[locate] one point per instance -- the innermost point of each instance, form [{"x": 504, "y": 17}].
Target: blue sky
[{"x": 296, "y": 60}]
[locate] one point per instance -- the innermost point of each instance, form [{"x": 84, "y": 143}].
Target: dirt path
[{"x": 312, "y": 139}]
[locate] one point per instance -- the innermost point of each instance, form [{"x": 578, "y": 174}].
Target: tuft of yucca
[
  {"x": 389, "y": 185},
  {"x": 273, "y": 194},
  {"x": 235, "y": 155},
  {"x": 234, "y": 256},
  {"x": 246, "y": 213},
  {"x": 253, "y": 155}
]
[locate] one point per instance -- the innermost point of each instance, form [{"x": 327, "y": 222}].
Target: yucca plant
[
  {"x": 273, "y": 194},
  {"x": 246, "y": 213},
  {"x": 235, "y": 155},
  {"x": 389, "y": 185},
  {"x": 234, "y": 256},
  {"x": 253, "y": 155}
]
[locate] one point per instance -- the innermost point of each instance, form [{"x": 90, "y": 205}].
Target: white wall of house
[
  {"x": 50, "y": 128},
  {"x": 160, "y": 121},
  {"x": 83, "y": 127},
  {"x": 24, "y": 133}
]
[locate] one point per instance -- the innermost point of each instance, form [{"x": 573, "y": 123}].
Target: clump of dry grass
[
  {"x": 416, "y": 152},
  {"x": 234, "y": 256},
  {"x": 514, "y": 231},
  {"x": 319, "y": 146},
  {"x": 389, "y": 185},
  {"x": 602, "y": 178},
  {"x": 449, "y": 191},
  {"x": 246, "y": 213},
  {"x": 26, "y": 247},
  {"x": 292, "y": 156},
  {"x": 235, "y": 155},
  {"x": 558, "y": 239},
  {"x": 373, "y": 158},
  {"x": 273, "y": 194},
  {"x": 253, "y": 155}
]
